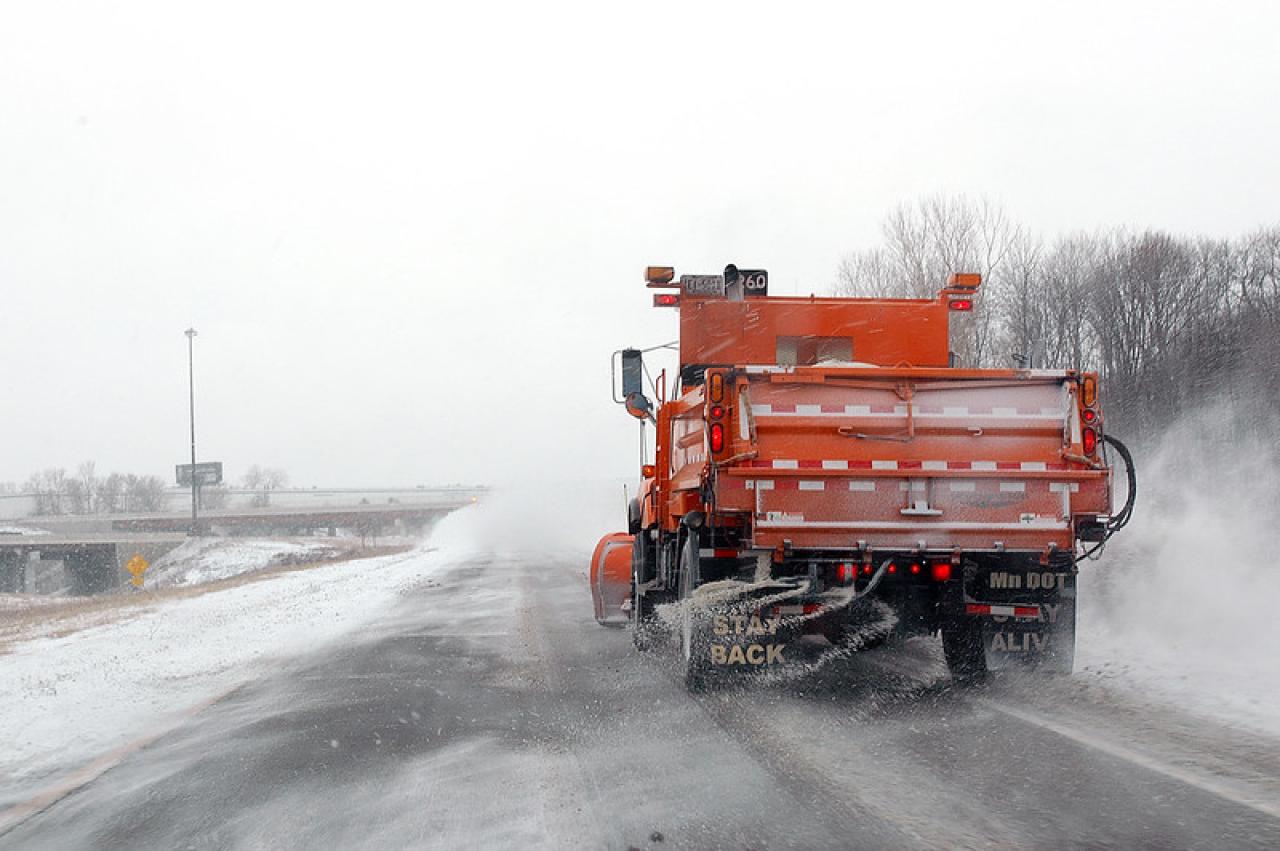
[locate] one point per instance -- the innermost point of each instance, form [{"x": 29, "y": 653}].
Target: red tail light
[
  {"x": 960, "y": 304},
  {"x": 666, "y": 300},
  {"x": 1090, "y": 441},
  {"x": 915, "y": 569},
  {"x": 1089, "y": 415},
  {"x": 845, "y": 573},
  {"x": 717, "y": 411},
  {"x": 893, "y": 568},
  {"x": 941, "y": 571},
  {"x": 717, "y": 437},
  {"x": 648, "y": 470}
]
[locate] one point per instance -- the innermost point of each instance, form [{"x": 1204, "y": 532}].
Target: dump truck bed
[{"x": 902, "y": 458}]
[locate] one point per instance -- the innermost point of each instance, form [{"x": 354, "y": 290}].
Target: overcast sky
[{"x": 411, "y": 234}]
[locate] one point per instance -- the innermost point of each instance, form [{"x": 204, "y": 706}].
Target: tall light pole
[{"x": 191, "y": 378}]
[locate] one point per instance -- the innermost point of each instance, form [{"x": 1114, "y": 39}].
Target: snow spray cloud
[
  {"x": 556, "y": 519},
  {"x": 1193, "y": 576}
]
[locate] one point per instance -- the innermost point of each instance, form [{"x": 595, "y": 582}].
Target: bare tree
[
  {"x": 88, "y": 485},
  {"x": 49, "y": 487},
  {"x": 924, "y": 243},
  {"x": 145, "y": 493},
  {"x": 1171, "y": 322},
  {"x": 264, "y": 480},
  {"x": 109, "y": 494}
]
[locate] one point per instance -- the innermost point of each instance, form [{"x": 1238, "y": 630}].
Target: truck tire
[
  {"x": 645, "y": 629},
  {"x": 694, "y": 629},
  {"x": 643, "y": 622},
  {"x": 963, "y": 648}
]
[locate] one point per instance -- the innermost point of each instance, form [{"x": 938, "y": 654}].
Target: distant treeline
[
  {"x": 1172, "y": 322},
  {"x": 85, "y": 492}
]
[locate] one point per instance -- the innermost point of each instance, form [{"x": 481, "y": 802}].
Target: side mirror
[{"x": 632, "y": 373}]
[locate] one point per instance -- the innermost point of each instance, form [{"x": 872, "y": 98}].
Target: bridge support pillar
[{"x": 13, "y": 571}]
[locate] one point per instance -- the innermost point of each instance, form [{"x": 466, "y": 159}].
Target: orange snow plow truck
[{"x": 823, "y": 475}]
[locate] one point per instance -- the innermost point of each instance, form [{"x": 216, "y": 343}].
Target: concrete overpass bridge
[
  {"x": 93, "y": 550},
  {"x": 89, "y": 563},
  {"x": 365, "y": 520}
]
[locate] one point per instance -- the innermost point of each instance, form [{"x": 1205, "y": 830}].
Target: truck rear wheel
[
  {"x": 963, "y": 648},
  {"x": 644, "y": 625},
  {"x": 694, "y": 630},
  {"x": 645, "y": 629}
]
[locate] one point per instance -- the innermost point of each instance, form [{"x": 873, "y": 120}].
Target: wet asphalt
[{"x": 489, "y": 710}]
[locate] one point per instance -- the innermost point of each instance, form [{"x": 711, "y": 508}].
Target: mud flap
[
  {"x": 1044, "y": 643},
  {"x": 611, "y": 578}
]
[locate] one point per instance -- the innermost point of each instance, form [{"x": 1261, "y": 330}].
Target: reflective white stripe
[
  {"x": 1033, "y": 465},
  {"x": 785, "y": 464},
  {"x": 1053, "y": 412},
  {"x": 1063, "y": 487},
  {"x": 835, "y": 465},
  {"x": 884, "y": 465},
  {"x": 864, "y": 411},
  {"x": 1011, "y": 415},
  {"x": 959, "y": 485},
  {"x": 1013, "y": 487},
  {"x": 862, "y": 485},
  {"x": 914, "y": 485},
  {"x": 933, "y": 465},
  {"x": 1040, "y": 523},
  {"x": 984, "y": 465},
  {"x": 1006, "y": 611},
  {"x": 812, "y": 486},
  {"x": 764, "y": 484}
]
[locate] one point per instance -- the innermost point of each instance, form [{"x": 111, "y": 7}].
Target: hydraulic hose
[{"x": 1121, "y": 518}]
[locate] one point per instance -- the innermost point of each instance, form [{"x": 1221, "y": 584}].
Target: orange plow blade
[{"x": 611, "y": 578}]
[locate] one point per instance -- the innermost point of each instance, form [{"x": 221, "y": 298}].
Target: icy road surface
[
  {"x": 464, "y": 698},
  {"x": 481, "y": 707}
]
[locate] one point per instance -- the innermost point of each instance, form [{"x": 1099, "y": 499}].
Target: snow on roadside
[
  {"x": 65, "y": 700},
  {"x": 7, "y": 529},
  {"x": 201, "y": 560}
]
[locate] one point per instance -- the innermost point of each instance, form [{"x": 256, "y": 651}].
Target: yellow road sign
[
  {"x": 137, "y": 580},
  {"x": 137, "y": 566}
]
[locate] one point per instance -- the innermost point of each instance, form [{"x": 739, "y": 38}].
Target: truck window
[{"x": 811, "y": 350}]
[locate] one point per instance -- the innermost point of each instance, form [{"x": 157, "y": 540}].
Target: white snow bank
[
  {"x": 20, "y": 530},
  {"x": 1181, "y": 608},
  {"x": 65, "y": 700},
  {"x": 17, "y": 602},
  {"x": 201, "y": 560}
]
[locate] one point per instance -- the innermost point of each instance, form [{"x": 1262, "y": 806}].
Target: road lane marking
[{"x": 1173, "y": 772}]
